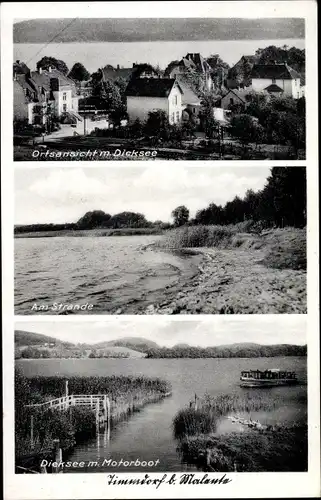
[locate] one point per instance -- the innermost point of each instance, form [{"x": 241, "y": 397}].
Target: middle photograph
[{"x": 189, "y": 240}]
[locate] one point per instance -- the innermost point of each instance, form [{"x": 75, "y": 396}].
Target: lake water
[
  {"x": 108, "y": 272},
  {"x": 96, "y": 55},
  {"x": 147, "y": 435}
]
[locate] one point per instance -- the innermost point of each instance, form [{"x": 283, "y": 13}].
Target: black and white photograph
[
  {"x": 159, "y": 88},
  {"x": 189, "y": 240},
  {"x": 178, "y": 396},
  {"x": 160, "y": 249}
]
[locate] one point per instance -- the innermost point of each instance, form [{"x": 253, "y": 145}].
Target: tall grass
[
  {"x": 198, "y": 236},
  {"x": 284, "y": 248},
  {"x": 126, "y": 394},
  {"x": 285, "y": 449},
  {"x": 191, "y": 422}
]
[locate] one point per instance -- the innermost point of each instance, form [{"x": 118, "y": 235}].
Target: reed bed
[
  {"x": 126, "y": 394},
  {"x": 281, "y": 448},
  {"x": 203, "y": 420},
  {"x": 283, "y": 248}
]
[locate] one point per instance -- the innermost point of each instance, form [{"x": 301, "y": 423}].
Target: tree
[
  {"x": 244, "y": 128},
  {"x": 136, "y": 129},
  {"x": 180, "y": 215},
  {"x": 47, "y": 62},
  {"x": 94, "y": 219},
  {"x": 128, "y": 219},
  {"x": 208, "y": 121},
  {"x": 157, "y": 125},
  {"x": 219, "y": 70},
  {"x": 107, "y": 92},
  {"x": 79, "y": 73}
]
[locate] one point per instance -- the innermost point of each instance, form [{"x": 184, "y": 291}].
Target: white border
[{"x": 83, "y": 486}]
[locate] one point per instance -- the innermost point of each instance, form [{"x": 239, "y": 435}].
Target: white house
[
  {"x": 277, "y": 79},
  {"x": 61, "y": 88},
  {"x": 38, "y": 91},
  {"x": 152, "y": 94}
]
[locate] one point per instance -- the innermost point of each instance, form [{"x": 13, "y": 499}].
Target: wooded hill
[
  {"x": 138, "y": 30},
  {"x": 38, "y": 347}
]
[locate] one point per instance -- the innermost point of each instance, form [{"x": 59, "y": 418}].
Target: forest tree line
[
  {"x": 242, "y": 351},
  {"x": 282, "y": 202}
]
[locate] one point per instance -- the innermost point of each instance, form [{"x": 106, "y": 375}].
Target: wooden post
[
  {"x": 31, "y": 432},
  {"x": 58, "y": 454},
  {"x": 108, "y": 417},
  {"x": 195, "y": 397},
  {"x": 208, "y": 457},
  {"x": 97, "y": 416}
]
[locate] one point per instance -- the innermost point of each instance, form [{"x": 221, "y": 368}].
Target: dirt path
[{"x": 235, "y": 282}]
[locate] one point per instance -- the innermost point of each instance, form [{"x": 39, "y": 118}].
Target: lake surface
[
  {"x": 96, "y": 55},
  {"x": 107, "y": 272},
  {"x": 147, "y": 435}
]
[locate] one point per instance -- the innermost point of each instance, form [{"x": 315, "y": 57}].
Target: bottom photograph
[{"x": 147, "y": 395}]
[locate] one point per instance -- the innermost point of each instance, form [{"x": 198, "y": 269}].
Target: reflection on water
[{"x": 147, "y": 435}]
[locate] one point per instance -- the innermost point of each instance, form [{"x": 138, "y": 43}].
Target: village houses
[
  {"x": 38, "y": 94},
  {"x": 145, "y": 95},
  {"x": 277, "y": 79},
  {"x": 193, "y": 62}
]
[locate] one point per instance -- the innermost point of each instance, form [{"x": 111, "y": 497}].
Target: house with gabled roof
[
  {"x": 277, "y": 79},
  {"x": 235, "y": 97},
  {"x": 141, "y": 70},
  {"x": 35, "y": 92},
  {"x": 193, "y": 62},
  {"x": 151, "y": 94}
]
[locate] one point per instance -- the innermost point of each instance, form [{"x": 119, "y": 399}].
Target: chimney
[
  {"x": 117, "y": 66},
  {"x": 18, "y": 61},
  {"x": 134, "y": 65},
  {"x": 40, "y": 70},
  {"x": 49, "y": 69}
]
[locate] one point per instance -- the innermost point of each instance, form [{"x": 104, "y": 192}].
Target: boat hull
[{"x": 267, "y": 382}]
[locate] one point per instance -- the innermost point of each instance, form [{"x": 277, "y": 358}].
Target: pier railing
[{"x": 65, "y": 402}]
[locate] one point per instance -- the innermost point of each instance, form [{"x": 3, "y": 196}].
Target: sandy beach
[{"x": 235, "y": 281}]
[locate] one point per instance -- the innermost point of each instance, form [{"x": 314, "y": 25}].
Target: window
[
  {"x": 64, "y": 108},
  {"x": 273, "y": 80},
  {"x": 175, "y": 100},
  {"x": 177, "y": 116},
  {"x": 231, "y": 100},
  {"x": 173, "y": 117},
  {"x": 64, "y": 96}
]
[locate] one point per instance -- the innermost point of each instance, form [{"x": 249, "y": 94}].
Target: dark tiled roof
[
  {"x": 240, "y": 93},
  {"x": 273, "y": 88},
  {"x": 43, "y": 79},
  {"x": 113, "y": 74},
  {"x": 251, "y": 59},
  {"x": 150, "y": 87},
  {"x": 20, "y": 68},
  {"x": 277, "y": 71}
]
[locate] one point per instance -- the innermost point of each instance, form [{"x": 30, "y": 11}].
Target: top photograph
[{"x": 159, "y": 89}]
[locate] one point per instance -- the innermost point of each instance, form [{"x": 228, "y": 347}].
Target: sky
[
  {"x": 214, "y": 330},
  {"x": 58, "y": 195}
]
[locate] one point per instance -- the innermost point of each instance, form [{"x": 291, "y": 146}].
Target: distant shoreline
[
  {"x": 178, "y": 357},
  {"x": 99, "y": 232}
]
